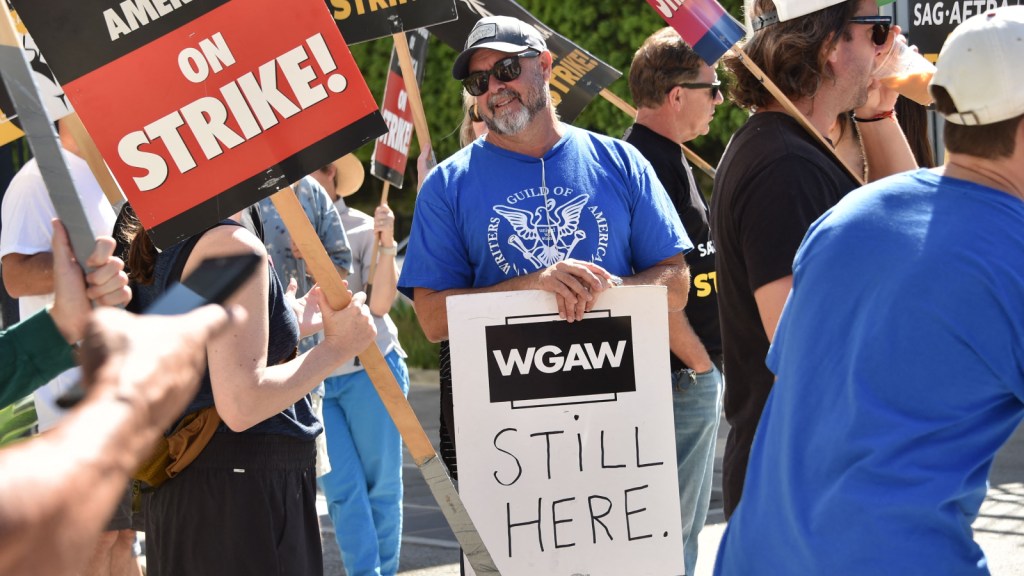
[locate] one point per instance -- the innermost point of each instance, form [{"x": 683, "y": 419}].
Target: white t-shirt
[{"x": 27, "y": 211}]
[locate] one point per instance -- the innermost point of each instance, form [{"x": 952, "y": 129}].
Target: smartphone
[{"x": 212, "y": 282}]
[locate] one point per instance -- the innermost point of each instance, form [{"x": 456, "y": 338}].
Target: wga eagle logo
[{"x": 549, "y": 233}]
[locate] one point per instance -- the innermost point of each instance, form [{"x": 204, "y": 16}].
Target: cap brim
[{"x": 461, "y": 67}]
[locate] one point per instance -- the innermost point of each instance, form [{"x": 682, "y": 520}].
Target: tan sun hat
[{"x": 350, "y": 175}]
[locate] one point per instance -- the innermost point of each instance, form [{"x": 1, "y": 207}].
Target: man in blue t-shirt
[
  {"x": 537, "y": 204},
  {"x": 899, "y": 354}
]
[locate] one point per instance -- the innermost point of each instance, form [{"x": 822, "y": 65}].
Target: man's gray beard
[{"x": 509, "y": 124}]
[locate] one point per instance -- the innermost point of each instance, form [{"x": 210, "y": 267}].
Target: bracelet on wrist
[
  {"x": 882, "y": 116},
  {"x": 392, "y": 250}
]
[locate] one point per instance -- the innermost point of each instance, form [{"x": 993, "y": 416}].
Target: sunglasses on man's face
[
  {"x": 879, "y": 27},
  {"x": 715, "y": 87},
  {"x": 505, "y": 70}
]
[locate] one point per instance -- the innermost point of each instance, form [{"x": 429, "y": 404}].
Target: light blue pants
[
  {"x": 364, "y": 487},
  {"x": 697, "y": 403}
]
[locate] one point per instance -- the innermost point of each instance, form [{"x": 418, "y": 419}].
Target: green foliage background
[{"x": 611, "y": 30}]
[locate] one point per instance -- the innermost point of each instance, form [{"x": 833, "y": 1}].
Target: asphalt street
[{"x": 430, "y": 549}]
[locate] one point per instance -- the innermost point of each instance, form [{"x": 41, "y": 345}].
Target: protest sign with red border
[
  {"x": 203, "y": 108},
  {"x": 577, "y": 76},
  {"x": 362, "y": 20},
  {"x": 391, "y": 152}
]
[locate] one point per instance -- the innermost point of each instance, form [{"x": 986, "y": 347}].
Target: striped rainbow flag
[{"x": 703, "y": 24}]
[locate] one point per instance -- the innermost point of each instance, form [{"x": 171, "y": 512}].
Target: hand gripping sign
[{"x": 201, "y": 108}]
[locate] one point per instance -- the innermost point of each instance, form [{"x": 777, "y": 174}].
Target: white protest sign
[{"x": 565, "y": 433}]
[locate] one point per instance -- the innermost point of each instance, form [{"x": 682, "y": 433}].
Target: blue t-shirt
[
  {"x": 900, "y": 365},
  {"x": 487, "y": 214}
]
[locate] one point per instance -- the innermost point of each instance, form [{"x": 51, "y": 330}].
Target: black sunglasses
[
  {"x": 716, "y": 87},
  {"x": 505, "y": 70},
  {"x": 879, "y": 27}
]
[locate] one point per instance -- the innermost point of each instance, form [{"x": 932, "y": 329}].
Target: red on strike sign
[{"x": 217, "y": 107}]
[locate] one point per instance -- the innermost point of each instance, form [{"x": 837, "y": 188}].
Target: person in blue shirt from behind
[{"x": 900, "y": 353}]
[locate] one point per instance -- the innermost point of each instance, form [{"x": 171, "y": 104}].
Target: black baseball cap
[{"x": 501, "y": 33}]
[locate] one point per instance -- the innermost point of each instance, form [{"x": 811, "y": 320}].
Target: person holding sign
[
  {"x": 676, "y": 93},
  {"x": 41, "y": 346},
  {"x": 775, "y": 178},
  {"x": 58, "y": 488},
  {"x": 57, "y": 531},
  {"x": 227, "y": 513},
  {"x": 364, "y": 487},
  {"x": 25, "y": 240},
  {"x": 292, "y": 272},
  {"x": 535, "y": 204},
  {"x": 899, "y": 355}
]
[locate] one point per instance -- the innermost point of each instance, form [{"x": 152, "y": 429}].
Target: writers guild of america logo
[{"x": 540, "y": 227}]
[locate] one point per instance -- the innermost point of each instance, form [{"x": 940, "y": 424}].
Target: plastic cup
[{"x": 904, "y": 70}]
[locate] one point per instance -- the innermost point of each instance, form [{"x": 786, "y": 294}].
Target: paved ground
[{"x": 429, "y": 548}]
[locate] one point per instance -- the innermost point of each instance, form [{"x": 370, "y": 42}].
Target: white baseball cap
[
  {"x": 789, "y": 9},
  {"x": 972, "y": 67}
]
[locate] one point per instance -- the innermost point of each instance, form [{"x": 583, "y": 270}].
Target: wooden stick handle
[
  {"x": 398, "y": 407},
  {"x": 319, "y": 262},
  {"x": 87, "y": 149},
  {"x": 376, "y": 241},
  {"x": 629, "y": 110},
  {"x": 791, "y": 108}
]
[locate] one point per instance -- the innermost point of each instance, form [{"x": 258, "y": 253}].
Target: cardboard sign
[
  {"x": 931, "y": 21},
  {"x": 577, "y": 76},
  {"x": 362, "y": 20},
  {"x": 391, "y": 152},
  {"x": 57, "y": 106},
  {"x": 565, "y": 432},
  {"x": 203, "y": 108}
]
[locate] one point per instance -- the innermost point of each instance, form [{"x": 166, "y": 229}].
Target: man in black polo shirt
[{"x": 676, "y": 94}]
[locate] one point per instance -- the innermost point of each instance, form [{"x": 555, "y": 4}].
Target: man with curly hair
[{"x": 775, "y": 179}]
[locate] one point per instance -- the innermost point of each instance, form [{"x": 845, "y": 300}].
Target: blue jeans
[
  {"x": 364, "y": 487},
  {"x": 697, "y": 404}
]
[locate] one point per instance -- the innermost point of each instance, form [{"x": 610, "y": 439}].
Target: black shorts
[{"x": 245, "y": 507}]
